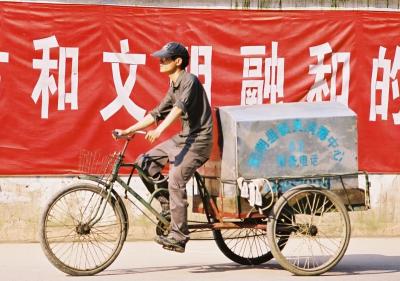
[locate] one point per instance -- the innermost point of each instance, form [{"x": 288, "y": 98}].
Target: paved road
[{"x": 366, "y": 259}]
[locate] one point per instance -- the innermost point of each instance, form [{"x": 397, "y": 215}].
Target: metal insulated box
[{"x": 288, "y": 140}]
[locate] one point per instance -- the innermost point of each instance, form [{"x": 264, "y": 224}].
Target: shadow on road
[
  {"x": 366, "y": 264},
  {"x": 222, "y": 267},
  {"x": 349, "y": 265}
]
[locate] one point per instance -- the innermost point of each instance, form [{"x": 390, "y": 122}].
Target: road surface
[{"x": 366, "y": 259}]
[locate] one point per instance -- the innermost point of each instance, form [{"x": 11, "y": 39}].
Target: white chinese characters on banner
[
  {"x": 3, "y": 58},
  {"x": 123, "y": 89},
  {"x": 255, "y": 85},
  {"x": 203, "y": 69},
  {"x": 320, "y": 87},
  {"x": 47, "y": 82},
  {"x": 389, "y": 72},
  {"x": 72, "y": 97}
]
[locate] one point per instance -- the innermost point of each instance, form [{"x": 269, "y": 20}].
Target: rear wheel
[
  {"x": 247, "y": 246},
  {"x": 316, "y": 226},
  {"x": 69, "y": 238}
]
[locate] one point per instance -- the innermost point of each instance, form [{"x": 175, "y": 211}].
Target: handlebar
[{"x": 127, "y": 138}]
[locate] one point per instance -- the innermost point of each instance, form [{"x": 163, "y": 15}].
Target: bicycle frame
[{"x": 214, "y": 220}]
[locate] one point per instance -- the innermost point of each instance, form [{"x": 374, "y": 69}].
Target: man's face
[{"x": 169, "y": 65}]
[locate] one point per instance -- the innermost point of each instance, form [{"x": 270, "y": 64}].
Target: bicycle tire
[
  {"x": 313, "y": 221},
  {"x": 246, "y": 246},
  {"x": 90, "y": 249}
]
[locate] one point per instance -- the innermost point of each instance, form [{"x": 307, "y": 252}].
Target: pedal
[{"x": 174, "y": 248}]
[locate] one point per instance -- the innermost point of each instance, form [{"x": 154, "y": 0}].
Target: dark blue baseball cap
[{"x": 172, "y": 49}]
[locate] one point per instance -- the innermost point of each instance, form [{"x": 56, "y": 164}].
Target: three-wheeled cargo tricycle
[{"x": 287, "y": 178}]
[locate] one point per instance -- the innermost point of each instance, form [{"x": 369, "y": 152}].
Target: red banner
[{"x": 72, "y": 73}]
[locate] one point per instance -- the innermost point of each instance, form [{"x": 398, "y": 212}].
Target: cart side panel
[{"x": 229, "y": 142}]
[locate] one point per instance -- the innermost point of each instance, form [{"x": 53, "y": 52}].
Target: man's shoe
[
  {"x": 165, "y": 207},
  {"x": 170, "y": 243},
  {"x": 159, "y": 239},
  {"x": 166, "y": 214}
]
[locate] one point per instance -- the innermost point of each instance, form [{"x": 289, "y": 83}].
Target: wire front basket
[{"x": 96, "y": 163}]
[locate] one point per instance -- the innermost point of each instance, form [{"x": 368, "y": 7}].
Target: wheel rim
[
  {"x": 72, "y": 239},
  {"x": 316, "y": 230},
  {"x": 246, "y": 245}
]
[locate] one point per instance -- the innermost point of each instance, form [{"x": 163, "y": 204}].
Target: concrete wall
[
  {"x": 22, "y": 199},
  {"x": 384, "y": 216}
]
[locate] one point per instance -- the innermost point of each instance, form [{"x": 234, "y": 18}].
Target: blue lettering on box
[
  {"x": 323, "y": 133},
  {"x": 311, "y": 127},
  {"x": 314, "y": 159},
  {"x": 332, "y": 142},
  {"x": 283, "y": 129},
  {"x": 338, "y": 155},
  {"x": 303, "y": 159},
  {"x": 292, "y": 146},
  {"x": 261, "y": 146},
  {"x": 297, "y": 126},
  {"x": 300, "y": 145},
  {"x": 254, "y": 160},
  {"x": 281, "y": 160},
  {"x": 296, "y": 156},
  {"x": 285, "y": 185},
  {"x": 292, "y": 161},
  {"x": 272, "y": 136}
]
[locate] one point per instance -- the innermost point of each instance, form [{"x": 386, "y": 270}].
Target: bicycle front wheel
[{"x": 82, "y": 230}]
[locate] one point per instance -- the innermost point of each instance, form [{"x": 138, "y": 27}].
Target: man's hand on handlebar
[
  {"x": 118, "y": 133},
  {"x": 123, "y": 134}
]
